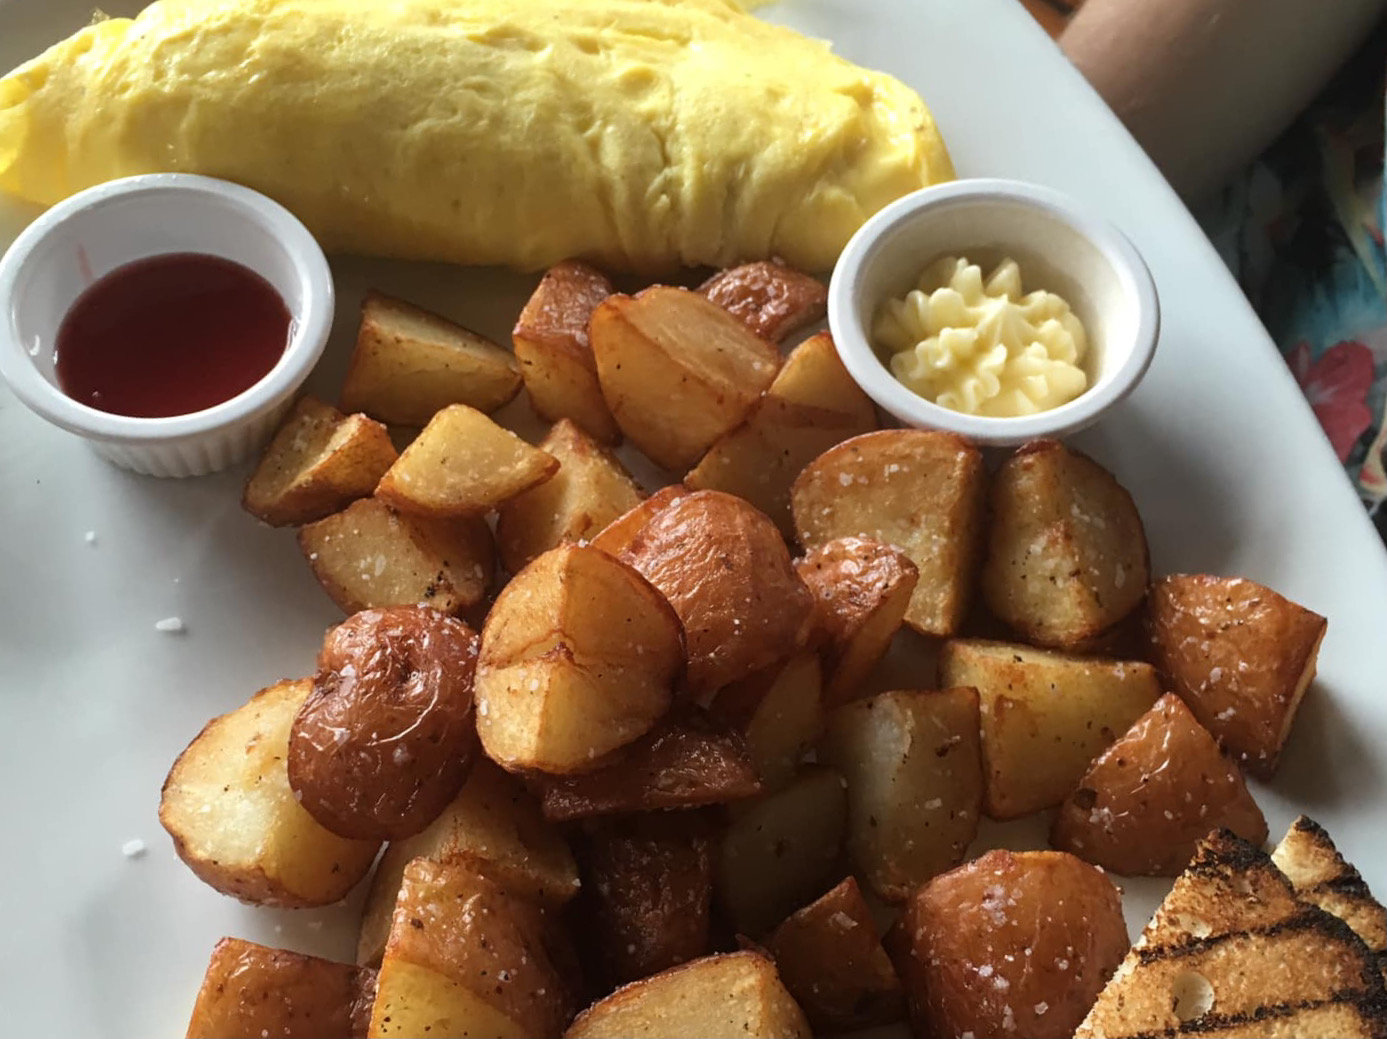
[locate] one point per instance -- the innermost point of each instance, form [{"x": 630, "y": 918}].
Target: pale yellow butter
[{"x": 983, "y": 347}]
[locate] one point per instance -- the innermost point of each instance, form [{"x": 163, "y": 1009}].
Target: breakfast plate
[{"x": 108, "y": 933}]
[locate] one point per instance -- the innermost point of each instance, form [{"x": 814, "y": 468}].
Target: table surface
[{"x": 1218, "y": 446}]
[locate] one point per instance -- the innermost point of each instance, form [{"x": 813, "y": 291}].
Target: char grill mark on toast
[
  {"x": 1310, "y": 919},
  {"x": 1371, "y": 1007}
]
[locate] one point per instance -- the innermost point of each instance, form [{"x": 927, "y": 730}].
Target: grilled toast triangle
[
  {"x": 1321, "y": 877},
  {"x": 1233, "y": 952}
]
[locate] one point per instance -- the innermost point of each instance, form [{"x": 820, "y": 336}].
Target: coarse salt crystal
[
  {"x": 934, "y": 802},
  {"x": 1226, "y": 713},
  {"x": 1215, "y": 673},
  {"x": 1041, "y": 1007},
  {"x": 132, "y": 849},
  {"x": 170, "y": 625}
]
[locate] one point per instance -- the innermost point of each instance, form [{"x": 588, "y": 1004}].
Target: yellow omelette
[{"x": 639, "y": 134}]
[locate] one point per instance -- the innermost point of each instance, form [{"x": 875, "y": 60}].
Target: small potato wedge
[
  {"x": 773, "y": 300},
  {"x": 235, "y": 821},
  {"x": 684, "y": 763},
  {"x": 252, "y": 989},
  {"x": 370, "y": 556},
  {"x": 1150, "y": 798},
  {"x": 726, "y": 571},
  {"x": 318, "y": 463},
  {"x": 495, "y": 825},
  {"x": 780, "y": 711},
  {"x": 647, "y": 892},
  {"x": 617, "y": 536},
  {"x": 919, "y": 491},
  {"x": 1067, "y": 556},
  {"x": 734, "y": 994},
  {"x": 830, "y": 957},
  {"x": 677, "y": 370},
  {"x": 862, "y": 590},
  {"x": 551, "y": 343},
  {"x": 782, "y": 850},
  {"x": 579, "y": 656},
  {"x": 1045, "y": 716},
  {"x": 1012, "y": 944},
  {"x": 410, "y": 363},
  {"x": 914, "y": 770},
  {"x": 812, "y": 405},
  {"x": 463, "y": 464},
  {"x": 466, "y": 958},
  {"x": 1240, "y": 655},
  {"x": 589, "y": 491}
]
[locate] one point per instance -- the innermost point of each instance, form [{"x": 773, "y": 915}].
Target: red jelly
[{"x": 170, "y": 335}]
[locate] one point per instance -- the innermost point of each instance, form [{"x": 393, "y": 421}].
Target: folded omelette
[{"x": 640, "y": 134}]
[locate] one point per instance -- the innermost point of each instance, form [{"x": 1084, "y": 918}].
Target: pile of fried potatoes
[{"x": 621, "y": 761}]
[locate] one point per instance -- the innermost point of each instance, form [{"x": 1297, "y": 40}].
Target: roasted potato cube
[
  {"x": 682, "y": 764},
  {"x": 1067, "y": 557},
  {"x": 830, "y": 957},
  {"x": 782, "y": 850},
  {"x": 235, "y": 821},
  {"x": 590, "y": 490},
  {"x": 579, "y": 656},
  {"x": 862, "y": 589},
  {"x": 1045, "y": 716},
  {"x": 251, "y": 990},
  {"x": 617, "y": 536},
  {"x": 812, "y": 405},
  {"x": 780, "y": 711},
  {"x": 772, "y": 299},
  {"x": 647, "y": 891},
  {"x": 677, "y": 370},
  {"x": 494, "y": 825},
  {"x": 914, "y": 772},
  {"x": 467, "y": 958},
  {"x": 1012, "y": 944},
  {"x": 463, "y": 464},
  {"x": 737, "y": 993},
  {"x": 726, "y": 571},
  {"x": 370, "y": 556},
  {"x": 921, "y": 492},
  {"x": 1240, "y": 655},
  {"x": 551, "y": 343},
  {"x": 1147, "y": 800},
  {"x": 319, "y": 462},
  {"x": 410, "y": 363}
]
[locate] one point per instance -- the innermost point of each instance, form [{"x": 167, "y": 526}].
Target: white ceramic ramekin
[
  {"x": 1059, "y": 246},
  {"x": 90, "y": 234}
]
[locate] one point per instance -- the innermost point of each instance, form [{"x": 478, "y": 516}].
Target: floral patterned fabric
[{"x": 1303, "y": 231}]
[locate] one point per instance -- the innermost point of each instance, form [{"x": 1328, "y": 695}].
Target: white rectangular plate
[{"x": 1224, "y": 457}]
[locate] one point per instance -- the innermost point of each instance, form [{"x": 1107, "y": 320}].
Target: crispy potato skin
[
  {"x": 830, "y": 957},
  {"x": 1067, "y": 555},
  {"x": 254, "y": 990},
  {"x": 617, "y": 535},
  {"x": 726, "y": 571},
  {"x": 1012, "y": 944},
  {"x": 234, "y": 819},
  {"x": 772, "y": 299},
  {"x": 736, "y": 993},
  {"x": 861, "y": 589},
  {"x": 921, "y": 491},
  {"x": 648, "y": 888},
  {"x": 384, "y": 741},
  {"x": 1151, "y": 797},
  {"x": 1240, "y": 655},
  {"x": 551, "y": 343},
  {"x": 684, "y": 763}
]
